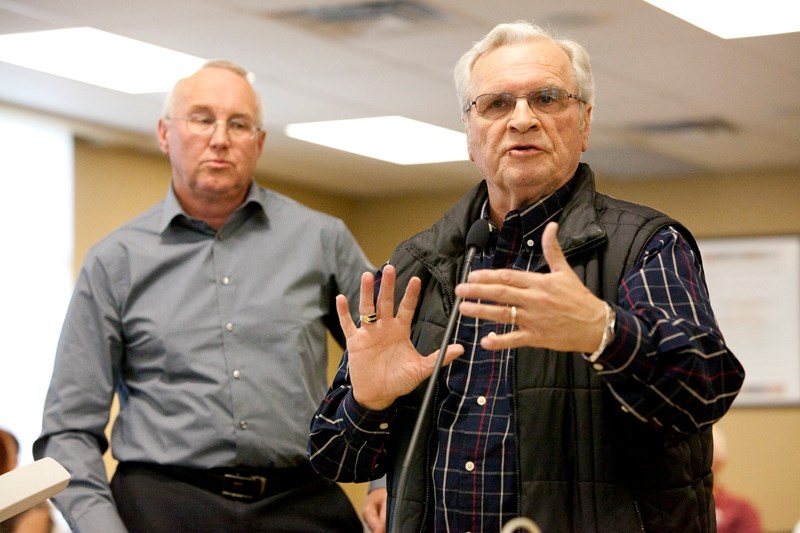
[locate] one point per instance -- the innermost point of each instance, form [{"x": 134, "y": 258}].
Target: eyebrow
[
  {"x": 543, "y": 88},
  {"x": 196, "y": 109}
]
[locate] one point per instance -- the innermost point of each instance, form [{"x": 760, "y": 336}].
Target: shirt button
[
  {"x": 236, "y": 374},
  {"x": 225, "y": 280},
  {"x": 229, "y": 326},
  {"x": 530, "y": 243},
  {"x": 243, "y": 424},
  {"x": 384, "y": 425},
  {"x": 481, "y": 400},
  {"x": 470, "y": 466},
  {"x": 597, "y": 366}
]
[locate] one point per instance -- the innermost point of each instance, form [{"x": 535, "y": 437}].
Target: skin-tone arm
[
  {"x": 555, "y": 310},
  {"x": 383, "y": 362}
]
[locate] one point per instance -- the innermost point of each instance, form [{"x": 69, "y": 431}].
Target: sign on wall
[{"x": 754, "y": 284}]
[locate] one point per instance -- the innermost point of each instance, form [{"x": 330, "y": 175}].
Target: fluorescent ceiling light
[
  {"x": 731, "y": 19},
  {"x": 99, "y": 58},
  {"x": 395, "y": 139}
]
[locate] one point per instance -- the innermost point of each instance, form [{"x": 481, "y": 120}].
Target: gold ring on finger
[{"x": 369, "y": 319}]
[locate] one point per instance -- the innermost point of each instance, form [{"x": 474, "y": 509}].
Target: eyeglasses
[
  {"x": 239, "y": 129},
  {"x": 550, "y": 100}
]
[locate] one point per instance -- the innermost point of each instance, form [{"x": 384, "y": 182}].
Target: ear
[
  {"x": 262, "y": 136},
  {"x": 163, "y": 141},
  {"x": 587, "y": 127},
  {"x": 465, "y": 121}
]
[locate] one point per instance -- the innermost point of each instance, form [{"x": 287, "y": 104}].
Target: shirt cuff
[
  {"x": 376, "y": 484},
  {"x": 100, "y": 518},
  {"x": 362, "y": 420}
]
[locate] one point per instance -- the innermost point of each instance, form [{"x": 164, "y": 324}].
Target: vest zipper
[
  {"x": 450, "y": 294},
  {"x": 428, "y": 464},
  {"x": 639, "y": 515},
  {"x": 444, "y": 283}
]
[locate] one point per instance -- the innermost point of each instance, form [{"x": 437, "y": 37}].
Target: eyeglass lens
[
  {"x": 497, "y": 105},
  {"x": 238, "y": 128}
]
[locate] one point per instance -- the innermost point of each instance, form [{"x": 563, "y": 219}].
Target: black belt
[{"x": 241, "y": 483}]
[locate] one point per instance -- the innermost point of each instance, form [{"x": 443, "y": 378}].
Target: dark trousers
[{"x": 151, "y": 502}]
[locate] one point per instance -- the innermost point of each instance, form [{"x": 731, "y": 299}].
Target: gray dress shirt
[{"x": 215, "y": 341}]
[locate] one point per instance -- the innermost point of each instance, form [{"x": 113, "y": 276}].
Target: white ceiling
[{"x": 654, "y": 73}]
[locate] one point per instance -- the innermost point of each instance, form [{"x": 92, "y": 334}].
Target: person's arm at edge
[
  {"x": 374, "y": 512},
  {"x": 75, "y": 414}
]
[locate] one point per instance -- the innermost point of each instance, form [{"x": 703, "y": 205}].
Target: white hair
[{"x": 523, "y": 31}]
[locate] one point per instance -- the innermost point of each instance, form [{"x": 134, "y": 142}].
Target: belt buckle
[{"x": 239, "y": 487}]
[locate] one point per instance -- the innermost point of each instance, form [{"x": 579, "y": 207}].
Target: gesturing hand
[
  {"x": 553, "y": 310},
  {"x": 383, "y": 363}
]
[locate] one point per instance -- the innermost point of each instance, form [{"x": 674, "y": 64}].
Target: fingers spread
[
  {"x": 385, "y": 305},
  {"x": 345, "y": 320},
  {"x": 409, "y": 302},
  {"x": 366, "y": 305}
]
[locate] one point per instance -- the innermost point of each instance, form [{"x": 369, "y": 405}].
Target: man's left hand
[{"x": 554, "y": 310}]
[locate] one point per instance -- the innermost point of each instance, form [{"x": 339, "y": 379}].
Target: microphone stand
[{"x": 477, "y": 236}]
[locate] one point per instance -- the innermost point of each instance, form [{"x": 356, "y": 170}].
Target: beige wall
[{"x": 112, "y": 185}]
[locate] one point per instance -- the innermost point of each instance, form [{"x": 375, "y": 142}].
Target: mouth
[{"x": 523, "y": 149}]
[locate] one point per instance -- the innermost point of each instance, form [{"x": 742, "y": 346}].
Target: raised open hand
[{"x": 383, "y": 363}]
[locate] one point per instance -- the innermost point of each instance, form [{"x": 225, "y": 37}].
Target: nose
[
  {"x": 523, "y": 117},
  {"x": 220, "y": 134}
]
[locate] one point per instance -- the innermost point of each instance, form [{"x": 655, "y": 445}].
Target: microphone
[{"x": 477, "y": 237}]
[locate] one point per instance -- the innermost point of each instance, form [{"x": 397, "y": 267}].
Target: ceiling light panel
[
  {"x": 731, "y": 19},
  {"x": 395, "y": 139},
  {"x": 99, "y": 58}
]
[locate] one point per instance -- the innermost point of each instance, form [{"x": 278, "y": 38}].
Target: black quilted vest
[{"x": 585, "y": 465}]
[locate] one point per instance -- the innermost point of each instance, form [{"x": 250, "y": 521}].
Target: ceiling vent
[
  {"x": 689, "y": 127},
  {"x": 360, "y": 17}
]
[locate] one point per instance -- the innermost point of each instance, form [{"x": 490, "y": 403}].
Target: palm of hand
[{"x": 383, "y": 363}]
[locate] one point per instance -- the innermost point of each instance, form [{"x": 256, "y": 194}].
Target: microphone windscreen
[{"x": 478, "y": 234}]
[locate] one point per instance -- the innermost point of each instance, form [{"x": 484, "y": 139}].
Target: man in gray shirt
[{"x": 207, "y": 314}]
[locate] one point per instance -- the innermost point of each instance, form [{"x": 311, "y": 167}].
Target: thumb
[
  {"x": 452, "y": 352},
  {"x": 553, "y": 253}
]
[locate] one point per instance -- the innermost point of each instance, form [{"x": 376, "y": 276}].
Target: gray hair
[
  {"x": 523, "y": 31},
  {"x": 223, "y": 64}
]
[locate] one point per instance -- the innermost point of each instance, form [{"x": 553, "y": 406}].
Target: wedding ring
[
  {"x": 369, "y": 319},
  {"x": 513, "y": 315}
]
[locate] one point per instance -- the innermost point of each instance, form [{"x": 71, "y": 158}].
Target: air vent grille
[
  {"x": 360, "y": 17},
  {"x": 707, "y": 126}
]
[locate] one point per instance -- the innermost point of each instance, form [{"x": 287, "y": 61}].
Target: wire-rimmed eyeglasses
[
  {"x": 550, "y": 100},
  {"x": 239, "y": 128}
]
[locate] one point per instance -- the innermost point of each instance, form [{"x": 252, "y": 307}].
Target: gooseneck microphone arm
[{"x": 477, "y": 237}]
